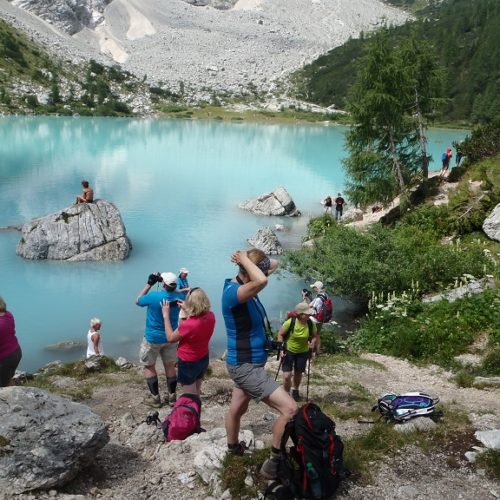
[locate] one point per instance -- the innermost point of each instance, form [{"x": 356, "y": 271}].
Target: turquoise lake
[{"x": 177, "y": 185}]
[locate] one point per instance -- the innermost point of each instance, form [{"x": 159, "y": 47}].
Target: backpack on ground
[
  {"x": 313, "y": 466},
  {"x": 184, "y": 419},
  {"x": 403, "y": 407},
  {"x": 324, "y": 315}
]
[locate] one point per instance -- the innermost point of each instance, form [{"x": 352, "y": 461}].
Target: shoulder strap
[
  {"x": 291, "y": 328},
  {"x": 310, "y": 326},
  {"x": 265, "y": 320}
]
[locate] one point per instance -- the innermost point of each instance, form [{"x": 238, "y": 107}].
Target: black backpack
[{"x": 313, "y": 467}]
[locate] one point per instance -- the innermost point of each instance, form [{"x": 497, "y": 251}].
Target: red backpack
[
  {"x": 184, "y": 419},
  {"x": 325, "y": 314}
]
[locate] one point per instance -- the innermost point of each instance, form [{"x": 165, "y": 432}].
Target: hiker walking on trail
[
  {"x": 155, "y": 341},
  {"x": 244, "y": 317},
  {"x": 299, "y": 337},
  {"x": 193, "y": 335},
  {"x": 339, "y": 206},
  {"x": 322, "y": 306},
  {"x": 327, "y": 202}
]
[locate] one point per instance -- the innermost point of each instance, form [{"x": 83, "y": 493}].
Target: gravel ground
[{"x": 255, "y": 43}]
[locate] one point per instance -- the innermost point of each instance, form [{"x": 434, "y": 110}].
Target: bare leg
[
  {"x": 297, "y": 379},
  {"x": 237, "y": 408},
  {"x": 150, "y": 371},
  {"x": 281, "y": 401},
  {"x": 190, "y": 389},
  {"x": 287, "y": 381},
  {"x": 170, "y": 369}
]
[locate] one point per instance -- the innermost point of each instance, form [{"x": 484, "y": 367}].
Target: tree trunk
[
  {"x": 397, "y": 164},
  {"x": 422, "y": 139}
]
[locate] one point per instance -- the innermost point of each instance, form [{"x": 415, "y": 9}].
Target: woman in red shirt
[
  {"x": 193, "y": 335},
  {"x": 10, "y": 351}
]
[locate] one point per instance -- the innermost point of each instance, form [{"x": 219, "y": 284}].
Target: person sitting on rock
[
  {"x": 87, "y": 195},
  {"x": 94, "y": 344}
]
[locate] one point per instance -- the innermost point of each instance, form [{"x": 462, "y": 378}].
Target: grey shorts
[
  {"x": 253, "y": 379},
  {"x": 149, "y": 352}
]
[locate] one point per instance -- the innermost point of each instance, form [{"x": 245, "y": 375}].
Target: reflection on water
[{"x": 177, "y": 185}]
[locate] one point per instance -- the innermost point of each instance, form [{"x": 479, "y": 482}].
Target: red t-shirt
[
  {"x": 195, "y": 332},
  {"x": 8, "y": 340}
]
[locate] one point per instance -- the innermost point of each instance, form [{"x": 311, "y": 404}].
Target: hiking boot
[
  {"x": 171, "y": 398},
  {"x": 239, "y": 449},
  {"x": 295, "y": 395},
  {"x": 153, "y": 401},
  {"x": 269, "y": 468}
]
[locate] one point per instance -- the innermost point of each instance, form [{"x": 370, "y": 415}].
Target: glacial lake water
[{"x": 177, "y": 185}]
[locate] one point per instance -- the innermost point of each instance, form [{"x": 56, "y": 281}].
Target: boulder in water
[
  {"x": 265, "y": 239},
  {"x": 83, "y": 232},
  {"x": 45, "y": 440},
  {"x": 278, "y": 202}
]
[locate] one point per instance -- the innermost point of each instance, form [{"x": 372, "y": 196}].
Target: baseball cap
[
  {"x": 183, "y": 270},
  {"x": 303, "y": 308},
  {"x": 169, "y": 278},
  {"x": 318, "y": 285}
]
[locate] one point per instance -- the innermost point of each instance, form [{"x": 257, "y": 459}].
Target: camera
[
  {"x": 153, "y": 419},
  {"x": 173, "y": 303},
  {"x": 273, "y": 345}
]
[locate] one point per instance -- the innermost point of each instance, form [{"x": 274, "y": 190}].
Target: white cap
[
  {"x": 318, "y": 285},
  {"x": 183, "y": 270},
  {"x": 169, "y": 279}
]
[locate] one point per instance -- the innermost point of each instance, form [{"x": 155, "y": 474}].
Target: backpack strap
[
  {"x": 310, "y": 326},
  {"x": 291, "y": 328}
]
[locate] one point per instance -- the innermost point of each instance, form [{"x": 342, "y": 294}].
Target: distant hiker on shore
[
  {"x": 10, "y": 350},
  {"x": 339, "y": 206},
  {"x": 299, "y": 337},
  {"x": 155, "y": 341},
  {"x": 458, "y": 157},
  {"x": 445, "y": 159},
  {"x": 193, "y": 336},
  {"x": 244, "y": 317},
  {"x": 94, "y": 344},
  {"x": 87, "y": 195},
  {"x": 327, "y": 202}
]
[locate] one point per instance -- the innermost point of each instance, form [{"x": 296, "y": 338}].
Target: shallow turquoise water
[{"x": 177, "y": 185}]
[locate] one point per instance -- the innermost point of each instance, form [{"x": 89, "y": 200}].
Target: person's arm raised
[
  {"x": 257, "y": 280},
  {"x": 169, "y": 332}
]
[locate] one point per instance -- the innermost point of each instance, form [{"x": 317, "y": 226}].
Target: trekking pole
[
  {"x": 279, "y": 366},
  {"x": 308, "y": 374}
]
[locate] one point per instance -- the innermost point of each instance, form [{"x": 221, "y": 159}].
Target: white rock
[
  {"x": 265, "y": 239},
  {"x": 491, "y": 225},
  {"x": 490, "y": 439}
]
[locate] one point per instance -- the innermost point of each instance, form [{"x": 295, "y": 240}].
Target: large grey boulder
[
  {"x": 278, "y": 202},
  {"x": 44, "y": 439},
  {"x": 491, "y": 225},
  {"x": 265, "y": 239},
  {"x": 88, "y": 231}
]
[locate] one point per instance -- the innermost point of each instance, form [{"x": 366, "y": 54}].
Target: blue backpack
[{"x": 402, "y": 407}]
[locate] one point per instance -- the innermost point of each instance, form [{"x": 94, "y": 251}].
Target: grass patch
[
  {"x": 235, "y": 470},
  {"x": 464, "y": 379},
  {"x": 490, "y": 461},
  {"x": 337, "y": 359}
]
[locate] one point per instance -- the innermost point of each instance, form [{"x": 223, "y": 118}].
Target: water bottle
[{"x": 314, "y": 481}]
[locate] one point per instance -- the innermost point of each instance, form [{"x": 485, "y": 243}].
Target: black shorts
[
  {"x": 295, "y": 361},
  {"x": 188, "y": 372},
  {"x": 8, "y": 366}
]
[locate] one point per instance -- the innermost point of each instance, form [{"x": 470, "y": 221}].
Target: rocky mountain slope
[{"x": 218, "y": 45}]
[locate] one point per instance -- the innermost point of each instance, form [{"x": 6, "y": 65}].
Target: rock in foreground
[
  {"x": 491, "y": 225},
  {"x": 279, "y": 202},
  {"x": 88, "y": 231},
  {"x": 265, "y": 239},
  {"x": 44, "y": 439}
]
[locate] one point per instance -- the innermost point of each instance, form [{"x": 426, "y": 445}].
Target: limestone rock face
[
  {"x": 265, "y": 239},
  {"x": 45, "y": 439},
  {"x": 88, "y": 231},
  {"x": 352, "y": 215},
  {"x": 69, "y": 16},
  {"x": 278, "y": 202},
  {"x": 491, "y": 225}
]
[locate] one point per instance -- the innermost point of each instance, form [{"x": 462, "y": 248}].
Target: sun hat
[
  {"x": 169, "y": 278},
  {"x": 318, "y": 285},
  {"x": 183, "y": 270},
  {"x": 303, "y": 308}
]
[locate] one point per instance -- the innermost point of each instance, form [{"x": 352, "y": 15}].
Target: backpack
[
  {"x": 313, "y": 467},
  {"x": 184, "y": 419},
  {"x": 324, "y": 315},
  {"x": 403, "y": 407}
]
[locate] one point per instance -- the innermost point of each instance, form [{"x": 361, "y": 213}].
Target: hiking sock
[
  {"x": 153, "y": 385},
  {"x": 275, "y": 453},
  {"x": 172, "y": 384}
]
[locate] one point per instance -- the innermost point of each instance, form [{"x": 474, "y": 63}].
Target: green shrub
[
  {"x": 435, "y": 332},
  {"x": 490, "y": 460},
  {"x": 491, "y": 362},
  {"x": 484, "y": 142}
]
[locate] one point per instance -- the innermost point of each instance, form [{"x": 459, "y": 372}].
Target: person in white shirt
[{"x": 94, "y": 344}]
